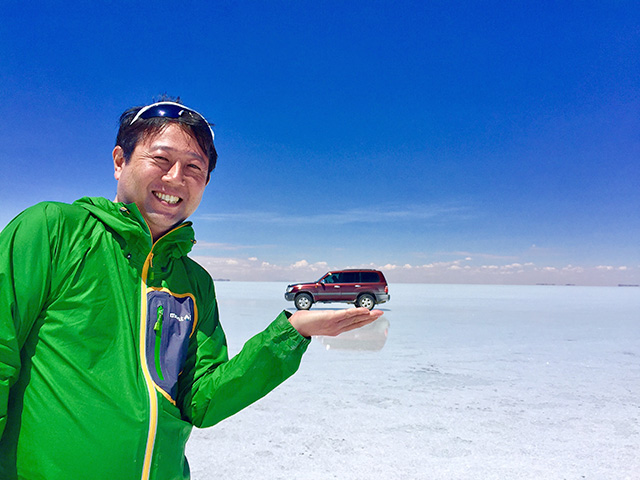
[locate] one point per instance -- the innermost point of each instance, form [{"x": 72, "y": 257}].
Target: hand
[{"x": 332, "y": 322}]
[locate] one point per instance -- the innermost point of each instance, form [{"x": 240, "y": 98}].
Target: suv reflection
[{"x": 364, "y": 288}]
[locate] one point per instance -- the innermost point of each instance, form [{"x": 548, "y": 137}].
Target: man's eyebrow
[{"x": 191, "y": 153}]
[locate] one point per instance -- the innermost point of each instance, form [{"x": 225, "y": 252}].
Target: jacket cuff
[{"x": 290, "y": 335}]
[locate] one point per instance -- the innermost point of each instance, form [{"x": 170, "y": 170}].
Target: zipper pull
[
  {"x": 150, "y": 273},
  {"x": 159, "y": 317},
  {"x": 158, "y": 329}
]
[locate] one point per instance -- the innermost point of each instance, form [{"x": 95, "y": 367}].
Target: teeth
[{"x": 167, "y": 198}]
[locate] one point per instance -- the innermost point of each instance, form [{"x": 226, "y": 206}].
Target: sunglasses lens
[{"x": 166, "y": 110}]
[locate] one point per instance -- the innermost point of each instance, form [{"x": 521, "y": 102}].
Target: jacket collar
[{"x": 126, "y": 222}]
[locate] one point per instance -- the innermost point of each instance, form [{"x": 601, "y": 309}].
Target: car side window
[
  {"x": 369, "y": 277},
  {"x": 330, "y": 278},
  {"x": 349, "y": 277}
]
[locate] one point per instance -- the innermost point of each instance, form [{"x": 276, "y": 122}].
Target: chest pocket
[{"x": 171, "y": 320}]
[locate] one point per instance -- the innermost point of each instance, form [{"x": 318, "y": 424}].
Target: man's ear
[{"x": 118, "y": 161}]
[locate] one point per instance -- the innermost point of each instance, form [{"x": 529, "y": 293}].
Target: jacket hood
[{"x": 127, "y": 221}]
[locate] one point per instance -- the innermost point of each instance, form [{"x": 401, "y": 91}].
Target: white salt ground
[{"x": 474, "y": 382}]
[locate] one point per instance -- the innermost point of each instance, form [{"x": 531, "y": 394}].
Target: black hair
[{"x": 130, "y": 135}]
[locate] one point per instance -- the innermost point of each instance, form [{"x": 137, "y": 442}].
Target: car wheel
[
  {"x": 303, "y": 301},
  {"x": 366, "y": 301}
]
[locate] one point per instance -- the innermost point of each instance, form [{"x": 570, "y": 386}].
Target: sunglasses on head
[{"x": 169, "y": 110}]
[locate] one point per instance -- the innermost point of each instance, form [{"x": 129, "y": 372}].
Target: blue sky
[{"x": 464, "y": 142}]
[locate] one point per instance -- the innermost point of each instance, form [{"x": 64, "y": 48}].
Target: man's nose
[{"x": 174, "y": 174}]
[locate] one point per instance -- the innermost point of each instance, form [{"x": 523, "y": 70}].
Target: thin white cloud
[
  {"x": 355, "y": 215},
  {"x": 471, "y": 255},
  {"x": 217, "y": 246},
  {"x": 200, "y": 245}
]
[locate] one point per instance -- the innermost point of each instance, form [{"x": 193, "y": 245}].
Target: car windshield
[{"x": 329, "y": 278}]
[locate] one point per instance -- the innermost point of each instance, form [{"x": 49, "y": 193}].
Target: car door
[
  {"x": 330, "y": 288},
  {"x": 349, "y": 282}
]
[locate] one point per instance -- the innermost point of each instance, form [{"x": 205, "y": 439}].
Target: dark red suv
[{"x": 364, "y": 288}]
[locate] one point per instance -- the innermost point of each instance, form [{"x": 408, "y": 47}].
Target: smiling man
[
  {"x": 111, "y": 348},
  {"x": 165, "y": 177}
]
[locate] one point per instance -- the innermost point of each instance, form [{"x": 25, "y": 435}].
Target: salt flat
[{"x": 473, "y": 382}]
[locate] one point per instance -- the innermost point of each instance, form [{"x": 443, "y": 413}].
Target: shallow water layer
[{"x": 470, "y": 382}]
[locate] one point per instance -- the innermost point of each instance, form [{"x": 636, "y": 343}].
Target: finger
[
  {"x": 361, "y": 311},
  {"x": 365, "y": 313},
  {"x": 352, "y": 315}
]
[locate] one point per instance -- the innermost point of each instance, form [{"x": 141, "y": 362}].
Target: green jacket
[{"x": 111, "y": 348}]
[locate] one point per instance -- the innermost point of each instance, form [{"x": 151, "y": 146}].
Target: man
[{"x": 110, "y": 344}]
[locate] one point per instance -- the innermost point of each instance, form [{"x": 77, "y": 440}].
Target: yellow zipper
[{"x": 153, "y": 399}]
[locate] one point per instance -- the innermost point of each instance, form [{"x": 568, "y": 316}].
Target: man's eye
[
  {"x": 161, "y": 158},
  {"x": 194, "y": 166}
]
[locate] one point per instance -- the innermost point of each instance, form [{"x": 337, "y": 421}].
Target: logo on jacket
[{"x": 183, "y": 318}]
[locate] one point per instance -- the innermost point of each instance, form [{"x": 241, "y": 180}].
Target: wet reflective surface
[
  {"x": 474, "y": 382},
  {"x": 371, "y": 337}
]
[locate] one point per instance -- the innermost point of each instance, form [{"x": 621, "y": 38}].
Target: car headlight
[{"x": 289, "y": 289}]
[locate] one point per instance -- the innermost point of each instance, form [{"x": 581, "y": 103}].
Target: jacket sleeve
[
  {"x": 217, "y": 388},
  {"x": 25, "y": 263}
]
